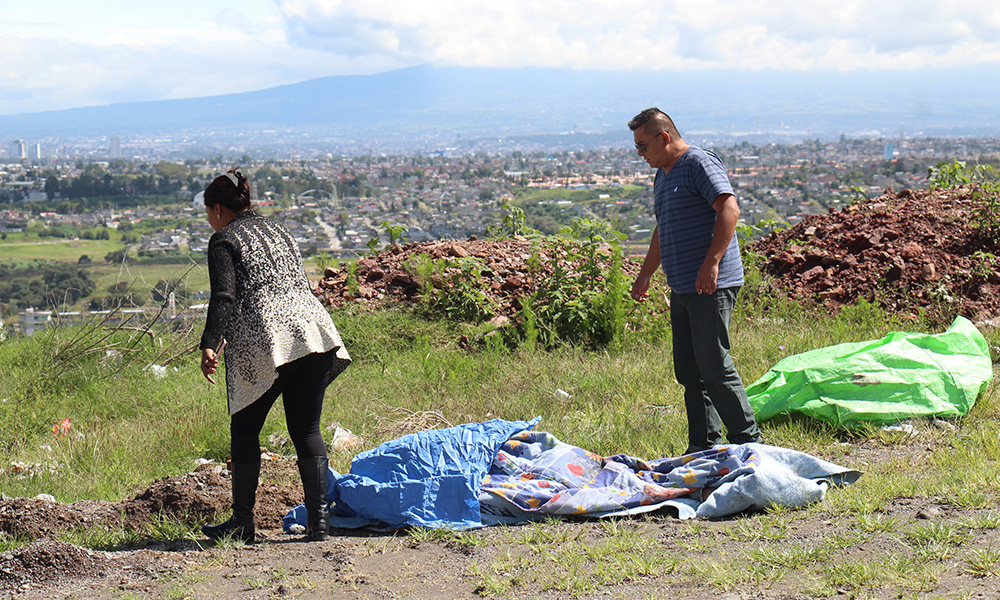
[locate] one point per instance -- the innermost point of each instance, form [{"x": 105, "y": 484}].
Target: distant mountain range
[{"x": 434, "y": 107}]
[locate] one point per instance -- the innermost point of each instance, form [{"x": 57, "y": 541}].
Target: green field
[
  {"x": 22, "y": 247},
  {"x": 141, "y": 278}
]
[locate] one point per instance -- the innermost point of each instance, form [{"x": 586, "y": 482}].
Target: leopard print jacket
[{"x": 263, "y": 306}]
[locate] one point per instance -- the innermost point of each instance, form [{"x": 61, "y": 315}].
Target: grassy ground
[
  {"x": 28, "y": 247},
  {"x": 143, "y": 278},
  {"x": 129, "y": 427},
  {"x": 625, "y": 401}
]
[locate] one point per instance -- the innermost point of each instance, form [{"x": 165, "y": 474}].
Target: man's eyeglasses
[{"x": 642, "y": 147}]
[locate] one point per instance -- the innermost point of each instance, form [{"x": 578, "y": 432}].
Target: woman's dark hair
[{"x": 231, "y": 189}]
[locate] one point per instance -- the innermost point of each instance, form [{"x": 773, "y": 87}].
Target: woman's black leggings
[{"x": 301, "y": 385}]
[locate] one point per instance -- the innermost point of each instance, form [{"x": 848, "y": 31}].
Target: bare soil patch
[
  {"x": 511, "y": 270},
  {"x": 363, "y": 564},
  {"x": 908, "y": 251}
]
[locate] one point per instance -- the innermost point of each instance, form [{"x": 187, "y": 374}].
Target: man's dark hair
[{"x": 653, "y": 121}]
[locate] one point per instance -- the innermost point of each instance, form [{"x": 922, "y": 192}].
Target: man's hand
[
  {"x": 708, "y": 278},
  {"x": 728, "y": 210},
  {"x": 640, "y": 288},
  {"x": 210, "y": 361}
]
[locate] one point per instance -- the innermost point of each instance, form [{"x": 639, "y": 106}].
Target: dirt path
[
  {"x": 353, "y": 565},
  {"x": 633, "y": 559}
]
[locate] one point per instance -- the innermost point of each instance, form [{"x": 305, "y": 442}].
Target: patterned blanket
[
  {"x": 503, "y": 472},
  {"x": 535, "y": 475}
]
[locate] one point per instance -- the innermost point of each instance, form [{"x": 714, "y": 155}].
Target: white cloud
[
  {"x": 51, "y": 74},
  {"x": 676, "y": 34},
  {"x": 65, "y": 53}
]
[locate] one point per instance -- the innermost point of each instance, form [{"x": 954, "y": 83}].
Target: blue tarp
[
  {"x": 428, "y": 479},
  {"x": 500, "y": 472}
]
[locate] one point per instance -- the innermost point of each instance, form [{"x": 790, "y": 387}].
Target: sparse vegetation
[
  {"x": 128, "y": 426},
  {"x": 984, "y": 183}
]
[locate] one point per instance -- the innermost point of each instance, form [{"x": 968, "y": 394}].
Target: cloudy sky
[{"x": 68, "y": 53}]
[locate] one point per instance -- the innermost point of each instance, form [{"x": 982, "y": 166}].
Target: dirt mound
[
  {"x": 507, "y": 270},
  {"x": 34, "y": 518},
  {"x": 52, "y": 564},
  {"x": 194, "y": 497},
  {"x": 908, "y": 251},
  {"x": 205, "y": 492}
]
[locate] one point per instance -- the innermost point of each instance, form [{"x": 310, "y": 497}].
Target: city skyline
[{"x": 61, "y": 54}]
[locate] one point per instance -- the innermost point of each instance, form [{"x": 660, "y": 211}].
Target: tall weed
[
  {"x": 984, "y": 182},
  {"x": 581, "y": 298}
]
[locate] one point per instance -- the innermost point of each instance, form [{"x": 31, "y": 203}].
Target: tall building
[
  {"x": 35, "y": 151},
  {"x": 115, "y": 147},
  {"x": 32, "y": 321},
  {"x": 17, "y": 149}
]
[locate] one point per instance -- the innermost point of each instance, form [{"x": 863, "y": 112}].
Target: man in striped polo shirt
[{"x": 695, "y": 244}]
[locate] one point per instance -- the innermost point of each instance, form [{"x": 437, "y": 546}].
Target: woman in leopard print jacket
[{"x": 278, "y": 340}]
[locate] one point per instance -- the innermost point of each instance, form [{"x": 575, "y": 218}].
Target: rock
[
  {"x": 896, "y": 270},
  {"x": 911, "y": 251},
  {"x": 815, "y": 255},
  {"x": 812, "y": 273},
  {"x": 783, "y": 262},
  {"x": 404, "y": 280},
  {"x": 930, "y": 512},
  {"x": 859, "y": 244},
  {"x": 513, "y": 282},
  {"x": 832, "y": 292},
  {"x": 928, "y": 272}
]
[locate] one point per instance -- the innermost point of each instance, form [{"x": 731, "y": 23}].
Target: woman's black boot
[
  {"x": 315, "y": 478},
  {"x": 239, "y": 526}
]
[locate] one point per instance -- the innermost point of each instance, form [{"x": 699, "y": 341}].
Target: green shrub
[
  {"x": 985, "y": 183},
  {"x": 582, "y": 292}
]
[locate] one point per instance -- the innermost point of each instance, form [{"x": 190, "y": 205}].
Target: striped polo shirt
[{"x": 682, "y": 201}]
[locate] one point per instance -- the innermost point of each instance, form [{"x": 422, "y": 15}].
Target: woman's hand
[{"x": 210, "y": 361}]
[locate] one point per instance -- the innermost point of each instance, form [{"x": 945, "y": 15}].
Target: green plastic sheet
[{"x": 900, "y": 376}]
